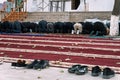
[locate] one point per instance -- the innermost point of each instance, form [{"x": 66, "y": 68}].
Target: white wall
[
  {"x": 30, "y": 6},
  {"x": 34, "y": 5},
  {"x": 100, "y": 5},
  {"x": 92, "y": 5}
]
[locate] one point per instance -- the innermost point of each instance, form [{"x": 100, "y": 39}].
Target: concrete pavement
[{"x": 7, "y": 72}]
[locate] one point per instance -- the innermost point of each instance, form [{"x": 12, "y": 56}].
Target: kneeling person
[{"x": 77, "y": 28}]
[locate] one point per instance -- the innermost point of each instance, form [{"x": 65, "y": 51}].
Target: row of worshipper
[{"x": 97, "y": 28}]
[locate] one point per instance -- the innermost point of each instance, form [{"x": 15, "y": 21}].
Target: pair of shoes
[
  {"x": 19, "y": 63},
  {"x": 78, "y": 69},
  {"x": 107, "y": 72},
  {"x": 38, "y": 64},
  {"x": 41, "y": 64}
]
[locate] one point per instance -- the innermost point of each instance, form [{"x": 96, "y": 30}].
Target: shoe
[
  {"x": 108, "y": 73},
  {"x": 30, "y": 66},
  {"x": 21, "y": 63},
  {"x": 96, "y": 71},
  {"x": 14, "y": 64},
  {"x": 41, "y": 64},
  {"x": 73, "y": 68},
  {"x": 81, "y": 70}
]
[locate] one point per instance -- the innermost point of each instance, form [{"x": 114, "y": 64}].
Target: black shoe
[
  {"x": 30, "y": 66},
  {"x": 41, "y": 64},
  {"x": 96, "y": 71},
  {"x": 14, "y": 64},
  {"x": 81, "y": 70},
  {"x": 73, "y": 68},
  {"x": 18, "y": 63},
  {"x": 108, "y": 73},
  {"x": 21, "y": 63}
]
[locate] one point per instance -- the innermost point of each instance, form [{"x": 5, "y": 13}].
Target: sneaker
[
  {"x": 96, "y": 71},
  {"x": 108, "y": 73},
  {"x": 73, "y": 68},
  {"x": 30, "y": 66},
  {"x": 41, "y": 64},
  {"x": 81, "y": 70}
]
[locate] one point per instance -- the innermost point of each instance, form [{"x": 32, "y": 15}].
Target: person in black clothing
[
  {"x": 68, "y": 27},
  {"x": 87, "y": 27},
  {"x": 50, "y": 27},
  {"x": 42, "y": 26},
  {"x": 99, "y": 29},
  {"x": 58, "y": 27}
]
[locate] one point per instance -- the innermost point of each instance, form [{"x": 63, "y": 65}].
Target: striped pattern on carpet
[{"x": 62, "y": 50}]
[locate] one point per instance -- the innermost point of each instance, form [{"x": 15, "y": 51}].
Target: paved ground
[{"x": 52, "y": 73}]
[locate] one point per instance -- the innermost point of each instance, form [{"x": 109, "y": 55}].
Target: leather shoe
[
  {"x": 41, "y": 64},
  {"x": 30, "y": 66},
  {"x": 73, "y": 68},
  {"x": 96, "y": 71},
  {"x": 81, "y": 70},
  {"x": 108, "y": 73}
]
